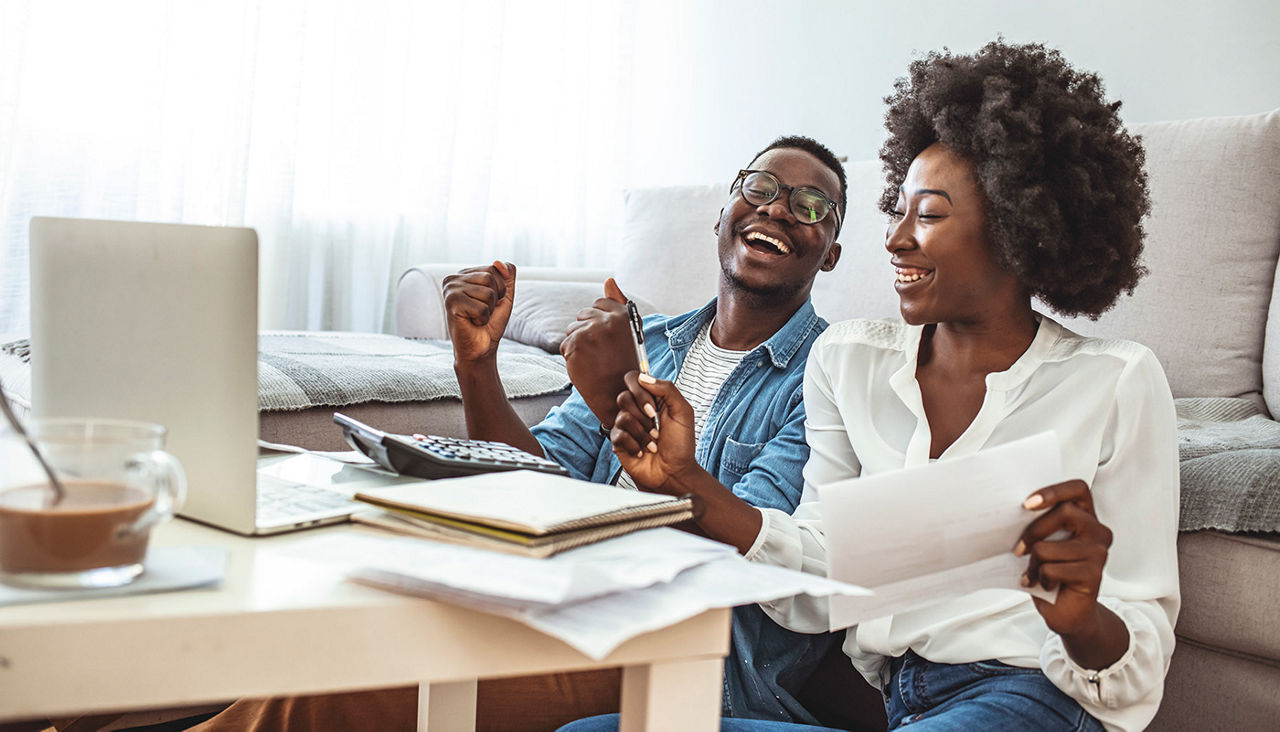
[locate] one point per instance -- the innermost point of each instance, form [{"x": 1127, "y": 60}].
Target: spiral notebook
[{"x": 519, "y": 512}]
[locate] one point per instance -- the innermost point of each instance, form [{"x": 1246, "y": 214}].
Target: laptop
[{"x": 159, "y": 322}]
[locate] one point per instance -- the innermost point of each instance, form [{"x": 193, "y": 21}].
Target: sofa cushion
[
  {"x": 1271, "y": 354},
  {"x": 1228, "y": 589},
  {"x": 543, "y": 310},
  {"x": 1212, "y": 243},
  {"x": 667, "y": 246},
  {"x": 1207, "y": 689}
]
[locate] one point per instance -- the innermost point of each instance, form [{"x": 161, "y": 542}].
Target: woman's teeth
[{"x": 905, "y": 275}]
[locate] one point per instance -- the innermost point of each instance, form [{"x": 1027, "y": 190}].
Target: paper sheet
[
  {"x": 594, "y": 598},
  {"x": 636, "y": 560},
  {"x": 597, "y": 626},
  {"x": 920, "y": 535}
]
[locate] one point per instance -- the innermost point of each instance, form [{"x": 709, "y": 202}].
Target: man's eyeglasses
[{"x": 808, "y": 205}]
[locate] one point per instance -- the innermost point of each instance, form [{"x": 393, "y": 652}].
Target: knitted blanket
[
  {"x": 1230, "y": 456},
  {"x": 297, "y": 370},
  {"x": 303, "y": 369}
]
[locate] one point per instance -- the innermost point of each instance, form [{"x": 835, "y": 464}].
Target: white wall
[{"x": 716, "y": 80}]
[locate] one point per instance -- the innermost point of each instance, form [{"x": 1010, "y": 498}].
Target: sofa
[{"x": 1209, "y": 309}]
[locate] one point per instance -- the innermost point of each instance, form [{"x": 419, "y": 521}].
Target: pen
[{"x": 637, "y": 330}]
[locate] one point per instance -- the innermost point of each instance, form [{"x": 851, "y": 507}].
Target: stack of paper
[{"x": 520, "y": 512}]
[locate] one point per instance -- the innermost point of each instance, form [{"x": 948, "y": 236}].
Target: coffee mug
[{"x": 118, "y": 483}]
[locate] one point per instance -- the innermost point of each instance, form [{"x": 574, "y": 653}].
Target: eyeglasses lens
[
  {"x": 807, "y": 205},
  {"x": 759, "y": 189}
]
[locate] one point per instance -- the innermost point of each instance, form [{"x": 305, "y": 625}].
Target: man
[{"x": 739, "y": 360}]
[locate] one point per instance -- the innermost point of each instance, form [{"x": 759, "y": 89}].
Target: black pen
[{"x": 637, "y": 330}]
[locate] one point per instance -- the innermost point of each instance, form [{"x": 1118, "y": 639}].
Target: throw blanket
[
  {"x": 1230, "y": 456},
  {"x": 299, "y": 370}
]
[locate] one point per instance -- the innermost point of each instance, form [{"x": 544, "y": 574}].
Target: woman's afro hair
[{"x": 1064, "y": 182}]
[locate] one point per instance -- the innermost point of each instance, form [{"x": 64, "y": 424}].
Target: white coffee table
[{"x": 280, "y": 625}]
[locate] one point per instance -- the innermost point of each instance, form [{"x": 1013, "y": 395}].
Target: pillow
[{"x": 544, "y": 309}]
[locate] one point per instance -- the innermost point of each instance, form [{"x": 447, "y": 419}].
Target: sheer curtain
[{"x": 357, "y": 138}]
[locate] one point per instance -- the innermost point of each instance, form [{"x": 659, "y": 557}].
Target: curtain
[{"x": 357, "y": 138}]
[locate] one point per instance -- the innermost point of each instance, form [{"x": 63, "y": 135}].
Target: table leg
[
  {"x": 683, "y": 695},
  {"x": 447, "y": 706}
]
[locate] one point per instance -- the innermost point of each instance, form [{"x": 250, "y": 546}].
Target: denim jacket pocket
[{"x": 736, "y": 458}]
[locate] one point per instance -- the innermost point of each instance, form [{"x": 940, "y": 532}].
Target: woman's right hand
[{"x": 477, "y": 304}]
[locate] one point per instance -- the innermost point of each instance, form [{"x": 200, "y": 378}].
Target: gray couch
[{"x": 1210, "y": 310}]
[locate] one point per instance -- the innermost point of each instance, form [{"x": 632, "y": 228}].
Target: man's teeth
[
  {"x": 909, "y": 275},
  {"x": 757, "y": 236}
]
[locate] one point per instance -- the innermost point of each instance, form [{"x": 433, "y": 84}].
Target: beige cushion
[
  {"x": 667, "y": 246},
  {"x": 1212, "y": 243},
  {"x": 543, "y": 311},
  {"x": 1209, "y": 690},
  {"x": 1228, "y": 583},
  {"x": 1271, "y": 354}
]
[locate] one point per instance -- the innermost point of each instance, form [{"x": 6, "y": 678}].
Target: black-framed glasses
[{"x": 809, "y": 205}]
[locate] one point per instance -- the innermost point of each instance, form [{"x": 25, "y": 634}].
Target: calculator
[{"x": 432, "y": 456}]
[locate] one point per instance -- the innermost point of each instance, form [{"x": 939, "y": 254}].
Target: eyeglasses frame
[{"x": 742, "y": 176}]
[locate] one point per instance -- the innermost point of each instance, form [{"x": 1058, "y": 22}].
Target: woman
[{"x": 1010, "y": 178}]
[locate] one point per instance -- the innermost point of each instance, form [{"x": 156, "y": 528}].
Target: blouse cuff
[
  {"x": 1127, "y": 681},
  {"x": 758, "y": 544}
]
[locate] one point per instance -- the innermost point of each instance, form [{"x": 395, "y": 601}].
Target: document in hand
[
  {"x": 519, "y": 512},
  {"x": 920, "y": 535}
]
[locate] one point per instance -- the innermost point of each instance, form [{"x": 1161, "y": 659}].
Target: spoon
[{"x": 58, "y": 491}]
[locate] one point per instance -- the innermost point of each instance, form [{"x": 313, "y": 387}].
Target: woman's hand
[
  {"x": 654, "y": 452},
  {"x": 1071, "y": 562}
]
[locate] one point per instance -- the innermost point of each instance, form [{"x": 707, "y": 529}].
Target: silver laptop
[{"x": 159, "y": 322}]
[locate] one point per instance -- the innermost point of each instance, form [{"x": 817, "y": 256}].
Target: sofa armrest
[{"x": 420, "y": 294}]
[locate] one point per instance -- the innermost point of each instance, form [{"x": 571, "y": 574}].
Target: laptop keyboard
[{"x": 281, "y": 502}]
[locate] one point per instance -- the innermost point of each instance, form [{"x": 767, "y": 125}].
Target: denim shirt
[{"x": 753, "y": 441}]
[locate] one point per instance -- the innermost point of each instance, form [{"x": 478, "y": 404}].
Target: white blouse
[{"x": 1110, "y": 405}]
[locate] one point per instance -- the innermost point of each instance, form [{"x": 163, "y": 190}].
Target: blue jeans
[
  {"x": 922, "y": 695},
  {"x": 986, "y": 695},
  {"x": 609, "y": 723}
]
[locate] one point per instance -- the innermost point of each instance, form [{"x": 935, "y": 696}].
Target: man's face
[{"x": 764, "y": 250}]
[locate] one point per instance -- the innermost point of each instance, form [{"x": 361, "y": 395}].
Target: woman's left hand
[{"x": 1071, "y": 564}]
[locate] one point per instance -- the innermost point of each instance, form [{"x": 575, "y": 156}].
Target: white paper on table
[
  {"x": 597, "y": 626},
  {"x": 920, "y": 535},
  {"x": 422, "y": 566},
  {"x": 352, "y": 457}
]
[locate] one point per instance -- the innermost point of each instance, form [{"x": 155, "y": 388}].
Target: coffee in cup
[{"x": 117, "y": 484}]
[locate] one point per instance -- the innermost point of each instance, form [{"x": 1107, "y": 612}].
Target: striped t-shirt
[{"x": 704, "y": 371}]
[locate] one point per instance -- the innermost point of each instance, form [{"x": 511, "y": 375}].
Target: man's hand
[
  {"x": 477, "y": 304},
  {"x": 655, "y": 458},
  {"x": 598, "y": 350}
]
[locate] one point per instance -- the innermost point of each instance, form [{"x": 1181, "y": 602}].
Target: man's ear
[
  {"x": 718, "y": 217},
  {"x": 833, "y": 256}
]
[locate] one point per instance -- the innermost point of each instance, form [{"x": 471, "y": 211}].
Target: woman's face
[{"x": 946, "y": 269}]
